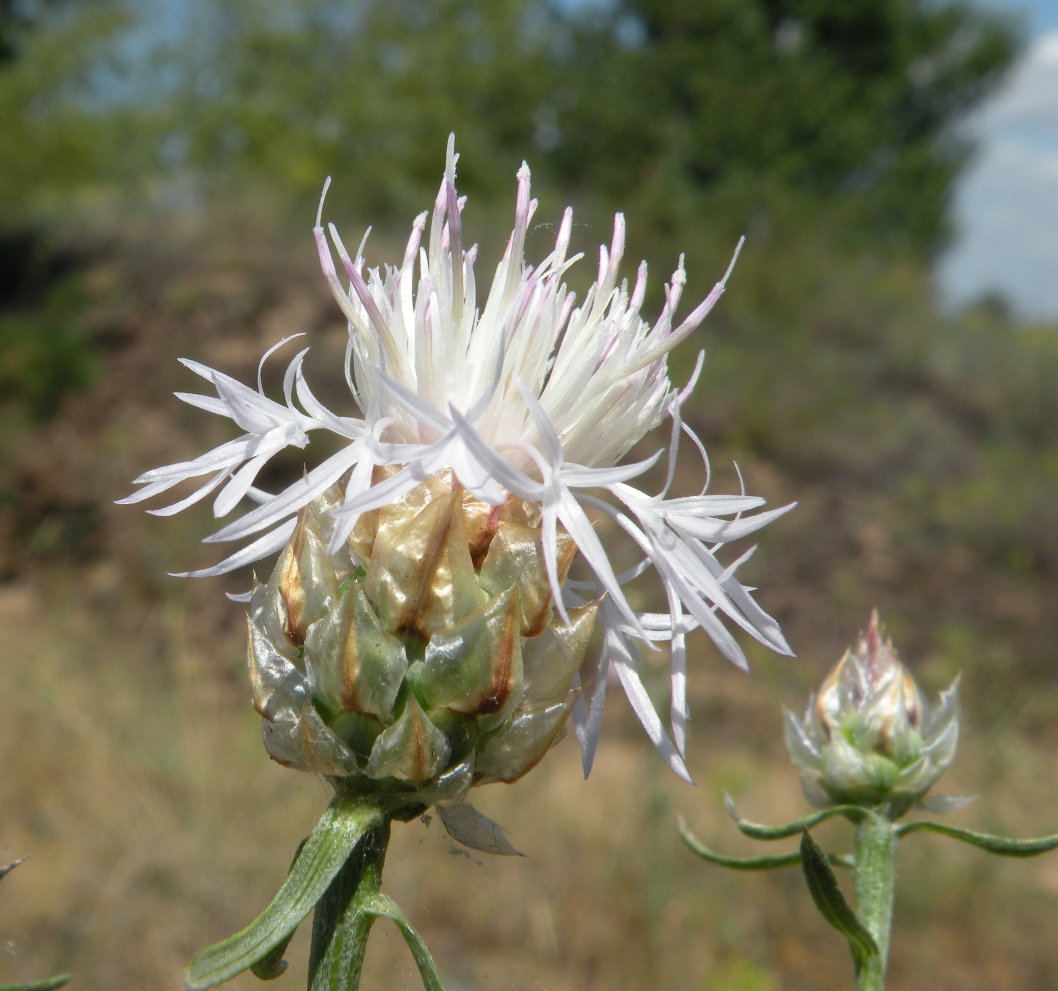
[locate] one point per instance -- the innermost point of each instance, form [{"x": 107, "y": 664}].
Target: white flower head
[{"x": 532, "y": 396}]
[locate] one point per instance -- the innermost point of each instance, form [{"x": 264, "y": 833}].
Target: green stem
[
  {"x": 343, "y": 919},
  {"x": 874, "y": 874}
]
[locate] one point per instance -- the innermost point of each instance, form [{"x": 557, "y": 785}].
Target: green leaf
[
  {"x": 831, "y": 902},
  {"x": 759, "y": 832},
  {"x": 382, "y": 907},
  {"x": 750, "y": 863},
  {"x": 48, "y": 984},
  {"x": 272, "y": 964},
  {"x": 1001, "y": 845},
  {"x": 325, "y": 851}
]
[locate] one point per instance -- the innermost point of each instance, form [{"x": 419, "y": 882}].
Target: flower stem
[
  {"x": 341, "y": 925},
  {"x": 874, "y": 874}
]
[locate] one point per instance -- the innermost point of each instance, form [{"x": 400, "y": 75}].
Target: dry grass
[{"x": 134, "y": 776}]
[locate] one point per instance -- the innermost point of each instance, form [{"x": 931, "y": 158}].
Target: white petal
[
  {"x": 580, "y": 529},
  {"x": 260, "y": 548},
  {"x": 268, "y": 354},
  {"x": 623, "y": 660},
  {"x": 605, "y": 477},
  {"x": 588, "y": 710},
  {"x": 292, "y": 498},
  {"x": 209, "y": 403},
  {"x": 498, "y": 467},
  {"x": 385, "y": 492},
  {"x": 231, "y": 495},
  {"x": 195, "y": 496}
]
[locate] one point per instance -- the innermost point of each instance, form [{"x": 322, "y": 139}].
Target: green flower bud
[
  {"x": 426, "y": 655},
  {"x": 869, "y": 737}
]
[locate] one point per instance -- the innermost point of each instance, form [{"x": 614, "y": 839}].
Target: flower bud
[
  {"x": 426, "y": 654},
  {"x": 869, "y": 737}
]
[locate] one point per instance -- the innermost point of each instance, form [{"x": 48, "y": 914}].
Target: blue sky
[
  {"x": 1006, "y": 205},
  {"x": 1042, "y": 15}
]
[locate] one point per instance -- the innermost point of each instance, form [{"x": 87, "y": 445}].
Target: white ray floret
[{"x": 531, "y": 395}]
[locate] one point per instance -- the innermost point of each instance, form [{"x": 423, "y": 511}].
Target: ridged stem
[
  {"x": 874, "y": 875},
  {"x": 340, "y": 924}
]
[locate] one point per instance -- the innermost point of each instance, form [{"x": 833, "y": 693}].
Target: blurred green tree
[
  {"x": 844, "y": 103},
  {"x": 287, "y": 93},
  {"x": 56, "y": 135},
  {"x": 840, "y": 101}
]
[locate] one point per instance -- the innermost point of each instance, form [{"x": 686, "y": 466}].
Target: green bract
[
  {"x": 423, "y": 658},
  {"x": 869, "y": 737}
]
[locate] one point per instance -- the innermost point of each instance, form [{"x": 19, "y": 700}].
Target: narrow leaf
[
  {"x": 382, "y": 907},
  {"x": 328, "y": 847},
  {"x": 48, "y": 984},
  {"x": 758, "y": 832},
  {"x": 1001, "y": 845},
  {"x": 766, "y": 863},
  {"x": 272, "y": 964},
  {"x": 829, "y": 899}
]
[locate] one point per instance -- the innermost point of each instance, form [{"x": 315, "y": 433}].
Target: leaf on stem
[
  {"x": 1001, "y": 845},
  {"x": 751, "y": 863},
  {"x": 758, "y": 832},
  {"x": 272, "y": 964},
  {"x": 829, "y": 899},
  {"x": 381, "y": 906},
  {"x": 327, "y": 848},
  {"x": 48, "y": 984}
]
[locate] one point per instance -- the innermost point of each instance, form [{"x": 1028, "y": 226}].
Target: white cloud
[{"x": 1006, "y": 205}]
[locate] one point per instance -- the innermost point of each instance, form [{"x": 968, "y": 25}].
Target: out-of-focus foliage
[
  {"x": 847, "y": 103},
  {"x": 829, "y": 100},
  {"x": 844, "y": 106},
  {"x": 57, "y": 140},
  {"x": 820, "y": 128},
  {"x": 43, "y": 353},
  {"x": 286, "y": 93}
]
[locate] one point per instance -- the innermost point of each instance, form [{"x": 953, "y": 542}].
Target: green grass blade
[
  {"x": 831, "y": 902},
  {"x": 325, "y": 851},
  {"x": 1000, "y": 845}
]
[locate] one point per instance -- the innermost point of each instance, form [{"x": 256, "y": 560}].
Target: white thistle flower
[{"x": 531, "y": 397}]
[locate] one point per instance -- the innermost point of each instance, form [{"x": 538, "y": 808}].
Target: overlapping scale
[{"x": 431, "y": 652}]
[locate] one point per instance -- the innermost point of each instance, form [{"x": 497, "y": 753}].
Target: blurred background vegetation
[{"x": 160, "y": 164}]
